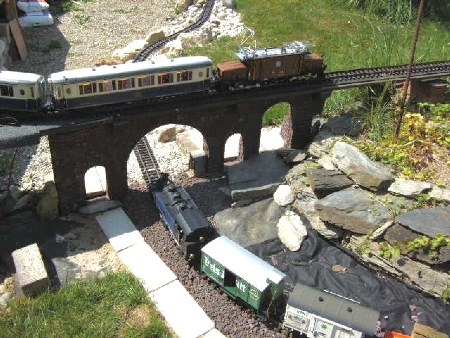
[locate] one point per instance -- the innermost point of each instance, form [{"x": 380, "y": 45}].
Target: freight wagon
[
  {"x": 242, "y": 275},
  {"x": 316, "y": 313}
]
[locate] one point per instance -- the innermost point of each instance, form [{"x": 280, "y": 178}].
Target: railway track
[
  {"x": 143, "y": 151},
  {"x": 420, "y": 70},
  {"x": 150, "y": 50},
  {"x": 147, "y": 161}
]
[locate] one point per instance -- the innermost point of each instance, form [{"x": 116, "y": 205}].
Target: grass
[
  {"x": 112, "y": 306},
  {"x": 348, "y": 38}
]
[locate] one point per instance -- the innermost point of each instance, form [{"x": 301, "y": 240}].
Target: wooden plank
[
  {"x": 11, "y": 10},
  {"x": 423, "y": 331},
  {"x": 18, "y": 39}
]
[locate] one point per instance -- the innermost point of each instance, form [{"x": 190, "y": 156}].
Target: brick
[{"x": 31, "y": 276}]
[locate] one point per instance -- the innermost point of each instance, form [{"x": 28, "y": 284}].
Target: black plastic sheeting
[{"x": 399, "y": 305}]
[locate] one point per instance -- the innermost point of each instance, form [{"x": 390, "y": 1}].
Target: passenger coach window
[
  {"x": 165, "y": 78},
  {"x": 184, "y": 76},
  {"x": 6, "y": 90},
  {"x": 125, "y": 83},
  {"x": 105, "y": 86},
  {"x": 146, "y": 81},
  {"x": 88, "y": 88}
]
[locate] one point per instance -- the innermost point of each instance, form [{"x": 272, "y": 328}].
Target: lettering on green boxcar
[
  {"x": 241, "y": 286},
  {"x": 218, "y": 271},
  {"x": 253, "y": 294}
]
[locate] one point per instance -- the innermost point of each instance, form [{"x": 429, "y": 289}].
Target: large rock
[
  {"x": 283, "y": 195},
  {"x": 369, "y": 174},
  {"x": 256, "y": 178},
  {"x": 430, "y": 222},
  {"x": 291, "y": 230},
  {"x": 353, "y": 210},
  {"x": 324, "y": 182},
  {"x": 408, "y": 188},
  {"x": 440, "y": 193},
  {"x": 327, "y": 231},
  {"x": 250, "y": 225},
  {"x": 47, "y": 207},
  {"x": 229, "y": 3}
]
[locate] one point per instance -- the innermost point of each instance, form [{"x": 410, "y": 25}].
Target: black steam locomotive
[{"x": 186, "y": 222}]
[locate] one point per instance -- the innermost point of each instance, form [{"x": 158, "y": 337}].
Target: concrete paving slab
[
  {"x": 145, "y": 264},
  {"x": 119, "y": 229},
  {"x": 181, "y": 311}
]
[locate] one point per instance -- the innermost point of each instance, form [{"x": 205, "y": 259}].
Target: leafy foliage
[
  {"x": 430, "y": 246},
  {"x": 424, "y": 136}
]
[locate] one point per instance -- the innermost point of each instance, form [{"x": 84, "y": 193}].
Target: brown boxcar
[{"x": 288, "y": 62}]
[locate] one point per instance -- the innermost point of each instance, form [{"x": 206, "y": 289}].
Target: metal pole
[{"x": 409, "y": 70}]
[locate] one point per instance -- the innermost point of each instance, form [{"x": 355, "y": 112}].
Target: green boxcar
[{"x": 241, "y": 274}]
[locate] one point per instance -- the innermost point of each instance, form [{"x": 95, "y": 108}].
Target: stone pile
[{"x": 345, "y": 197}]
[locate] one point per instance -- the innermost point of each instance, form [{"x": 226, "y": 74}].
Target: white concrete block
[
  {"x": 145, "y": 264},
  {"x": 31, "y": 275},
  {"x": 119, "y": 229},
  {"x": 181, "y": 311}
]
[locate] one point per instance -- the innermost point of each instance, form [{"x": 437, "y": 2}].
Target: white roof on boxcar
[
  {"x": 14, "y": 78},
  {"x": 335, "y": 308},
  {"x": 242, "y": 262},
  {"x": 129, "y": 69}
]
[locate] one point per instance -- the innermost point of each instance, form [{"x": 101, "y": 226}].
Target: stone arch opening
[
  {"x": 232, "y": 148},
  {"x": 272, "y": 121},
  {"x": 175, "y": 148},
  {"x": 95, "y": 182}
]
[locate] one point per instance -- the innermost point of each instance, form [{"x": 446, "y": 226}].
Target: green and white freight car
[{"x": 241, "y": 274}]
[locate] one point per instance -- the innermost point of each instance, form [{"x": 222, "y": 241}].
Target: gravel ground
[{"x": 79, "y": 38}]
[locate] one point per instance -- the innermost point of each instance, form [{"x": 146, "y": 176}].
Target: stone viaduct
[{"x": 110, "y": 144}]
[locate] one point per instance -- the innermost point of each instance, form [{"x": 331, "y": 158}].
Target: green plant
[
  {"x": 275, "y": 114},
  {"x": 5, "y": 163},
  {"x": 127, "y": 10},
  {"x": 54, "y": 44},
  {"x": 390, "y": 251},
  {"x": 424, "y": 137},
  {"x": 428, "y": 245},
  {"x": 446, "y": 295},
  {"x": 82, "y": 18},
  {"x": 64, "y": 6}
]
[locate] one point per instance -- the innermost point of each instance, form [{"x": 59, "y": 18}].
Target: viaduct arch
[{"x": 110, "y": 144}]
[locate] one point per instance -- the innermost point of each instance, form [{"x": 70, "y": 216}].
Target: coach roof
[{"x": 130, "y": 69}]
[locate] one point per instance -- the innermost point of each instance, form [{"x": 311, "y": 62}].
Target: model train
[
  {"x": 247, "y": 278},
  {"x": 187, "y": 224},
  {"x": 112, "y": 84}
]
